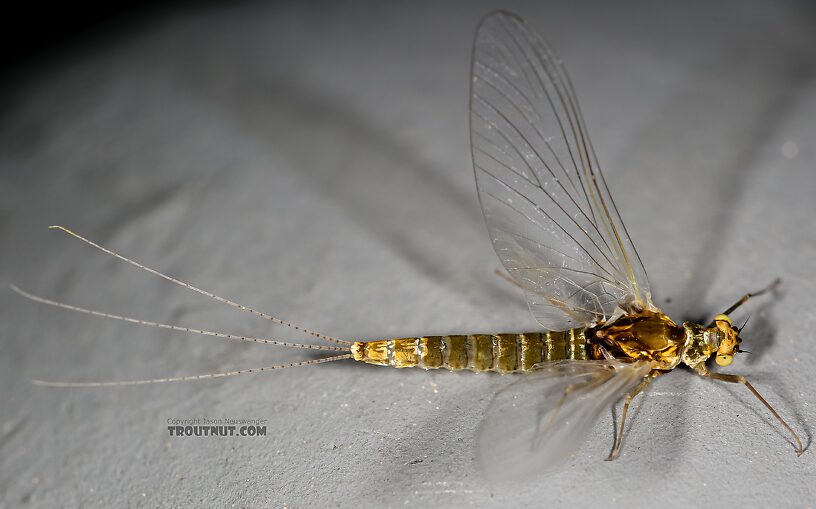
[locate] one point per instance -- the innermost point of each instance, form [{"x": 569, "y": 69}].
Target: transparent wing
[
  {"x": 548, "y": 209},
  {"x": 533, "y": 425}
]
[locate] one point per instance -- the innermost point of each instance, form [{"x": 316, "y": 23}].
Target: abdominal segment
[{"x": 502, "y": 353}]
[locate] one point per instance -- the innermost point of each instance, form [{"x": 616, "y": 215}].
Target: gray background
[{"x": 312, "y": 160}]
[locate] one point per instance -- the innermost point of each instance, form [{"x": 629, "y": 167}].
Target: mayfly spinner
[{"x": 559, "y": 235}]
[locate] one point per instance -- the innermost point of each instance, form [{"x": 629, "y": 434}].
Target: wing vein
[{"x": 559, "y": 205}]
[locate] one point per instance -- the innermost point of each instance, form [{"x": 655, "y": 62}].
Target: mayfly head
[{"x": 729, "y": 340}]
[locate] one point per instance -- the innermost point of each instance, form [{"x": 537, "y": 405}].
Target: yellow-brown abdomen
[{"x": 503, "y": 353}]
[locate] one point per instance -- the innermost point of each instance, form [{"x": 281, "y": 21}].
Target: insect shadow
[{"x": 381, "y": 184}]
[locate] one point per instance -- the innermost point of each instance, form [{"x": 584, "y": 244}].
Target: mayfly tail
[
  {"x": 203, "y": 292},
  {"x": 234, "y": 337},
  {"x": 191, "y": 377}
]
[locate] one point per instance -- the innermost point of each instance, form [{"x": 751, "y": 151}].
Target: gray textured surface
[{"x": 314, "y": 163}]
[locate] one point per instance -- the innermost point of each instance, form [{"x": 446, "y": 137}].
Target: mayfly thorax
[{"x": 559, "y": 235}]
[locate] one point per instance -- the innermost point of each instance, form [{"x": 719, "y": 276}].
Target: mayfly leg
[
  {"x": 739, "y": 379},
  {"x": 613, "y": 455},
  {"x": 776, "y": 282}
]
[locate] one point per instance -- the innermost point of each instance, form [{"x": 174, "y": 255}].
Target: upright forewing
[
  {"x": 547, "y": 207},
  {"x": 533, "y": 425}
]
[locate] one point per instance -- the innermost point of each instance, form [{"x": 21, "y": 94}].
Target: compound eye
[
  {"x": 724, "y": 360},
  {"x": 723, "y": 318}
]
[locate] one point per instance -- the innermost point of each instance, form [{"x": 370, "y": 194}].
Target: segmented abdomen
[{"x": 503, "y": 353}]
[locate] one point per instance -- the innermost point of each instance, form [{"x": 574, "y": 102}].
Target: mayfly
[{"x": 560, "y": 237}]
